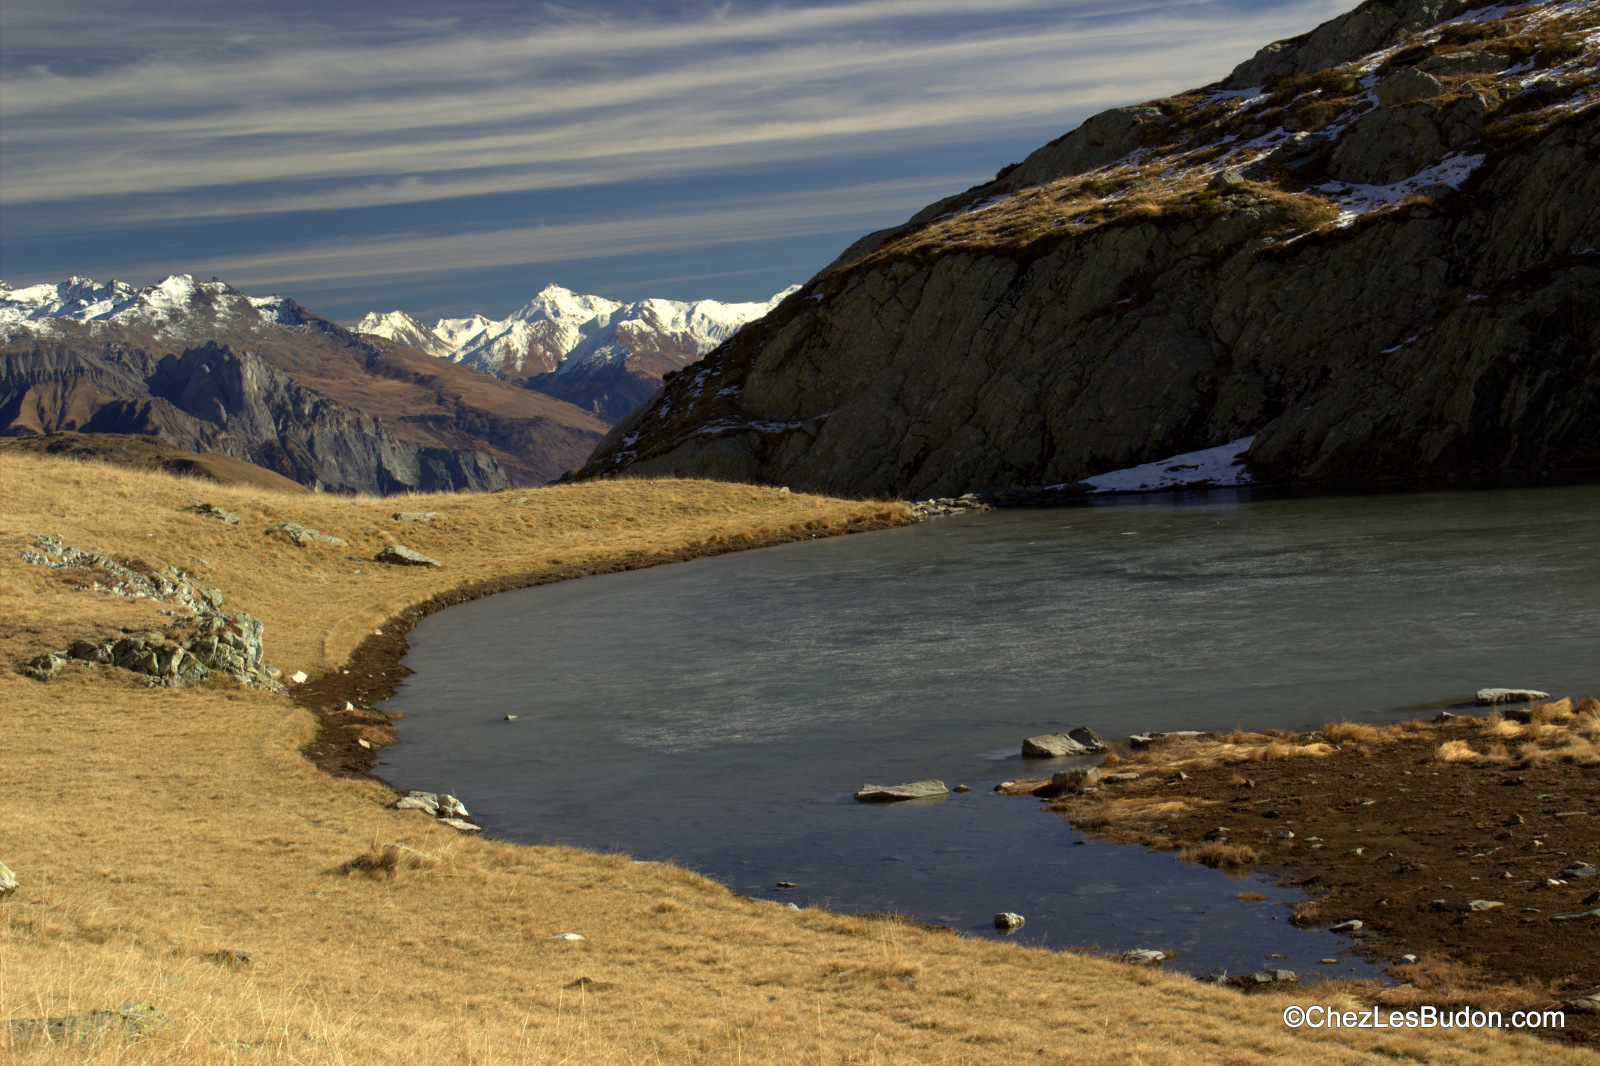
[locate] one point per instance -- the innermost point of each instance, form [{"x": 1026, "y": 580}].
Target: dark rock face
[
  {"x": 212, "y": 398},
  {"x": 1400, "y": 291}
]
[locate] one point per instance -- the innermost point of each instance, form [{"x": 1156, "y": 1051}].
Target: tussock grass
[
  {"x": 1553, "y": 732},
  {"x": 1220, "y": 855}
]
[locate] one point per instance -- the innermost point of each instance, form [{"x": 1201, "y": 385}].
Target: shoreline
[
  {"x": 374, "y": 669},
  {"x": 1445, "y": 849}
]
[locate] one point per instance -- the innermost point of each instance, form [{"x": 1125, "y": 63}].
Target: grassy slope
[{"x": 151, "y": 826}]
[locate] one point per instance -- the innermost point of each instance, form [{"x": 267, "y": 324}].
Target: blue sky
[{"x": 450, "y": 158}]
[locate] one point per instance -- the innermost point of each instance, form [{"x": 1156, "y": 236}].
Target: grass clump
[{"x": 1220, "y": 855}]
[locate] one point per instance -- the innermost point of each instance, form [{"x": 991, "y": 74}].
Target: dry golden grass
[
  {"x": 1220, "y": 855},
  {"x": 152, "y": 828},
  {"x": 1557, "y": 731}
]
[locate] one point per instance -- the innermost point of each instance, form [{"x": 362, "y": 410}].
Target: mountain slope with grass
[
  {"x": 1375, "y": 248},
  {"x": 209, "y": 369},
  {"x": 602, "y": 355}
]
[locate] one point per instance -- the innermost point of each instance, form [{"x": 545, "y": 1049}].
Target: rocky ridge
[
  {"x": 1374, "y": 249},
  {"x": 210, "y": 369},
  {"x": 603, "y": 355},
  {"x": 207, "y": 642}
]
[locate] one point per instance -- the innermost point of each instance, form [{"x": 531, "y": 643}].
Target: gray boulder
[
  {"x": 1484, "y": 904},
  {"x": 300, "y": 536},
  {"x": 209, "y": 510},
  {"x": 1577, "y": 870},
  {"x": 1490, "y": 696},
  {"x": 1079, "y": 741},
  {"x": 418, "y": 516},
  {"x": 1143, "y": 955},
  {"x": 1009, "y": 921},
  {"x": 400, "y": 555},
  {"x": 132, "y": 1020},
  {"x": 461, "y": 824},
  {"x": 419, "y": 801},
  {"x": 1458, "y": 64},
  {"x": 450, "y": 807},
  {"x": 1408, "y": 86},
  {"x": 895, "y": 793}
]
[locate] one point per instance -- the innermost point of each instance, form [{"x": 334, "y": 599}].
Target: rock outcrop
[
  {"x": 206, "y": 642},
  {"x": 1401, "y": 280}
]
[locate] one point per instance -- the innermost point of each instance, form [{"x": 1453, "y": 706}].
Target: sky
[{"x": 452, "y": 158}]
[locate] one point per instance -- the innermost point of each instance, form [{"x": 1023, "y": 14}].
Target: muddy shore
[{"x": 1380, "y": 829}]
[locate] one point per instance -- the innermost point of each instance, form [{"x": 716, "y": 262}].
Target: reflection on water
[{"x": 721, "y": 712}]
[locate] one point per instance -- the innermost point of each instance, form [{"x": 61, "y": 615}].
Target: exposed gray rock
[
  {"x": 1375, "y": 24},
  {"x": 419, "y": 801},
  {"x": 299, "y": 677},
  {"x": 1143, "y": 955},
  {"x": 231, "y": 958},
  {"x": 895, "y": 793},
  {"x": 1459, "y": 64},
  {"x": 400, "y": 555},
  {"x": 133, "y": 1020},
  {"x": 1079, "y": 741},
  {"x": 1226, "y": 180},
  {"x": 1140, "y": 741},
  {"x": 1349, "y": 926},
  {"x": 1407, "y": 86},
  {"x": 461, "y": 824},
  {"x": 1489, "y": 696},
  {"x": 300, "y": 535},
  {"x": 1577, "y": 870},
  {"x": 1483, "y": 904},
  {"x": 418, "y": 516},
  {"x": 1009, "y": 921},
  {"x": 450, "y": 807},
  {"x": 8, "y": 881},
  {"x": 1389, "y": 144},
  {"x": 213, "y": 511},
  {"x": 1074, "y": 778},
  {"x": 1595, "y": 913}
]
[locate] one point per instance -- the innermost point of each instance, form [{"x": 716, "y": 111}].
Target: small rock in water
[
  {"x": 1488, "y": 696},
  {"x": 1285, "y": 975},
  {"x": 894, "y": 793},
  {"x": 1008, "y": 921},
  {"x": 962, "y": 788},
  {"x": 1079, "y": 741},
  {"x": 786, "y": 884},
  {"x": 511, "y": 717},
  {"x": 1329, "y": 962},
  {"x": 1143, "y": 955},
  {"x": 449, "y": 805}
]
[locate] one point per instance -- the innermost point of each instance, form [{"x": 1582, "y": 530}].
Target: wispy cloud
[{"x": 140, "y": 114}]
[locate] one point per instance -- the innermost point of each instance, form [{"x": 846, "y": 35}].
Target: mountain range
[
  {"x": 1373, "y": 250},
  {"x": 599, "y": 354},
  {"x": 210, "y": 369}
]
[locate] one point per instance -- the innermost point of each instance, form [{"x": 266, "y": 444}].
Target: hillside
[
  {"x": 1374, "y": 248},
  {"x": 602, "y": 355},
  {"x": 209, "y": 369}
]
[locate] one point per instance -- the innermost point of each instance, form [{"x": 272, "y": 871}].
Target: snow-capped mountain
[
  {"x": 597, "y": 353},
  {"x": 209, "y": 368},
  {"x": 172, "y": 303}
]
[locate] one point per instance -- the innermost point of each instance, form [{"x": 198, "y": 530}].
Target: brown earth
[{"x": 1379, "y": 826}]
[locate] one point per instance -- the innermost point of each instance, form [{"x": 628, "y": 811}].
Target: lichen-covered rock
[
  {"x": 209, "y": 642},
  {"x": 300, "y": 536},
  {"x": 132, "y": 1021},
  {"x": 1407, "y": 86},
  {"x": 210, "y": 510},
  {"x": 400, "y": 555},
  {"x": 418, "y": 516}
]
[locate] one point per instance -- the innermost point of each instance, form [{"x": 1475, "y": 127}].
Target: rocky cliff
[
  {"x": 1373, "y": 247},
  {"x": 209, "y": 369}
]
